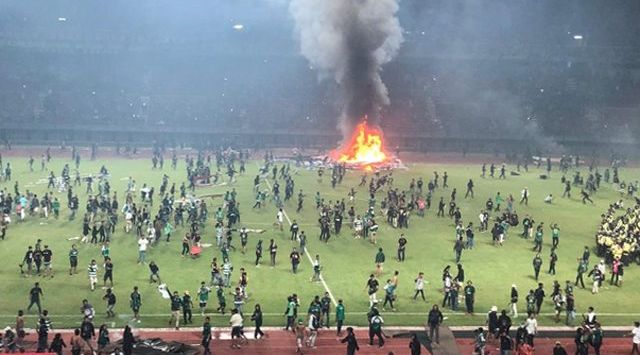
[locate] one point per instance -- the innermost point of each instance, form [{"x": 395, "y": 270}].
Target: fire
[{"x": 365, "y": 147}]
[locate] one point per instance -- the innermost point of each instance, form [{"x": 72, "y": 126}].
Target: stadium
[{"x": 319, "y": 177}]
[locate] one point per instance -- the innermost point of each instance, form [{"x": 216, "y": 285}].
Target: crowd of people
[{"x": 179, "y": 207}]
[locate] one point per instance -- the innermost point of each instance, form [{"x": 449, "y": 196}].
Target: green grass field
[{"x": 347, "y": 262}]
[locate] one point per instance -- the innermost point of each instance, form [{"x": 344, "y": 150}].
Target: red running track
[{"x": 281, "y": 342}]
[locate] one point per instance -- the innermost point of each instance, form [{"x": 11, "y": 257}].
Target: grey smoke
[{"x": 350, "y": 40}]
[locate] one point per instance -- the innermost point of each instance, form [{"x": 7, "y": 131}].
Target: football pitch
[{"x": 346, "y": 262}]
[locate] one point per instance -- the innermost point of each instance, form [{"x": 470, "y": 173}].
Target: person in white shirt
[
  {"x": 603, "y": 271},
  {"x": 143, "y": 243},
  {"x": 531, "y": 326},
  {"x": 419, "y": 286},
  {"x": 635, "y": 333},
  {"x": 525, "y": 196},
  {"x": 236, "y": 328},
  {"x": 548, "y": 199},
  {"x": 280, "y": 219},
  {"x": 93, "y": 274},
  {"x": 151, "y": 232},
  {"x": 128, "y": 216},
  {"x": 313, "y": 326},
  {"x": 590, "y": 319}
]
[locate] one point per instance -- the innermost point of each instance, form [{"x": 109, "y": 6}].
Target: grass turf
[{"x": 346, "y": 262}]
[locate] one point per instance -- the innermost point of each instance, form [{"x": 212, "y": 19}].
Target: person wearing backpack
[
  {"x": 506, "y": 343},
  {"x": 375, "y": 328},
  {"x": 480, "y": 341}
]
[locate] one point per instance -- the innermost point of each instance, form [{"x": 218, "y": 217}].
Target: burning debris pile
[
  {"x": 351, "y": 41},
  {"x": 365, "y": 148}
]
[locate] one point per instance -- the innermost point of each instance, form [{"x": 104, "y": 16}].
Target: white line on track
[{"x": 306, "y": 250}]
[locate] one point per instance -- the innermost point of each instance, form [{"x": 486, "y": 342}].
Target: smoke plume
[{"x": 350, "y": 40}]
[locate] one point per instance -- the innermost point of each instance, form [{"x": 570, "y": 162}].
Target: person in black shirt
[
  {"x": 469, "y": 189},
  {"x": 441, "y": 205},
  {"x": 87, "y": 331},
  {"x": 372, "y": 288},
  {"x": 187, "y": 304},
  {"x": 294, "y": 230},
  {"x": 553, "y": 258},
  {"x": 352, "y": 342},
  {"x": 57, "y": 344},
  {"x": 34, "y": 296},
  {"x": 402, "y": 245},
  {"x": 434, "y": 319},
  {"x": 37, "y": 259},
  {"x": 337, "y": 222},
  {"x": 94, "y": 234},
  {"x": 539, "y": 297},
  {"x": 558, "y": 349},
  {"x": 258, "y": 252},
  {"x": 127, "y": 341},
  {"x": 506, "y": 343},
  {"x": 176, "y": 306},
  {"x": 504, "y": 322},
  {"x": 295, "y": 260},
  {"x": 108, "y": 272},
  {"x": 155, "y": 273},
  {"x": 110, "y": 297},
  {"x": 415, "y": 345},
  {"x": 43, "y": 333},
  {"x": 28, "y": 259},
  {"x": 257, "y": 318},
  {"x": 273, "y": 249}
]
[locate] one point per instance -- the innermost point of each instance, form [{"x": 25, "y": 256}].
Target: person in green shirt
[
  {"x": 531, "y": 302},
  {"x": 203, "y": 297},
  {"x": 290, "y": 313},
  {"x": 538, "y": 239},
  {"x": 135, "y": 303},
  {"x": 340, "y": 312},
  {"x": 103, "y": 337},
  {"x": 596, "y": 337},
  {"x": 206, "y": 335},
  {"x": 537, "y": 264},
  {"x": 55, "y": 206},
  {"x": 379, "y": 261},
  {"x": 555, "y": 235},
  {"x": 499, "y": 200},
  {"x": 582, "y": 268},
  {"x": 315, "y": 307},
  {"x": 167, "y": 230},
  {"x": 105, "y": 250},
  {"x": 325, "y": 304},
  {"x": 222, "y": 303},
  {"x": 73, "y": 260}
]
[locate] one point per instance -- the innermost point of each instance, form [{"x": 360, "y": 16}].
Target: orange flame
[{"x": 366, "y": 147}]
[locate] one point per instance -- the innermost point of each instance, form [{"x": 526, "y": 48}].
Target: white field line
[{"x": 306, "y": 250}]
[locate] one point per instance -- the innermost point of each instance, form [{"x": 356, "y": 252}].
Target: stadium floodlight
[
  {"x": 62, "y": 19},
  {"x": 577, "y": 37},
  {"x": 238, "y": 27}
]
